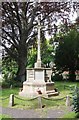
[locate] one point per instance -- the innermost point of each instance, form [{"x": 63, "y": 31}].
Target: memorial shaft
[{"x": 39, "y": 55}]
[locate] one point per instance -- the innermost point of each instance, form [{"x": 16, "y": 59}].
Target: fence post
[
  {"x": 39, "y": 101},
  {"x": 67, "y": 100},
  {"x": 11, "y": 100}
]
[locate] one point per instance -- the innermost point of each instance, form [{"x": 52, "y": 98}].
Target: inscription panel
[{"x": 39, "y": 75}]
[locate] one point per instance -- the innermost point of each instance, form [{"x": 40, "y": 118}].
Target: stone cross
[
  {"x": 39, "y": 55},
  {"x": 38, "y": 63}
]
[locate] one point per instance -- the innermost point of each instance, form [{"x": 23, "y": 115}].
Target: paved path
[
  {"x": 57, "y": 113},
  {"x": 17, "y": 113}
]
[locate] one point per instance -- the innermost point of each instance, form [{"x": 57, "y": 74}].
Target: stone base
[
  {"x": 30, "y": 90},
  {"x": 38, "y": 64}
]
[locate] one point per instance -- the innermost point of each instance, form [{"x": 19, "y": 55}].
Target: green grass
[
  {"x": 5, "y": 117},
  {"x": 7, "y": 92},
  {"x": 70, "y": 115},
  {"x": 34, "y": 103}
]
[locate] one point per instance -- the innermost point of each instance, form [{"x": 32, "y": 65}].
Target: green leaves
[
  {"x": 46, "y": 52},
  {"x": 67, "y": 52},
  {"x": 9, "y": 69},
  {"x": 32, "y": 53},
  {"x": 76, "y": 100}
]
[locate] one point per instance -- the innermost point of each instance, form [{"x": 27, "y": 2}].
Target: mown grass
[
  {"x": 5, "y": 117},
  {"x": 70, "y": 115},
  {"x": 34, "y": 103},
  {"x": 6, "y": 92}
]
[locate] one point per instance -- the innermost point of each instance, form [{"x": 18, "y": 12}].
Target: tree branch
[
  {"x": 10, "y": 52},
  {"x": 12, "y": 37},
  {"x": 8, "y": 40},
  {"x": 18, "y": 19}
]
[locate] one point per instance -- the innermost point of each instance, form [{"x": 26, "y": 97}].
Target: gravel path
[
  {"x": 17, "y": 113},
  {"x": 58, "y": 113}
]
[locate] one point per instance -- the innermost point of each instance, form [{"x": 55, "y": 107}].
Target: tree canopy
[
  {"x": 18, "y": 26},
  {"x": 67, "y": 53}
]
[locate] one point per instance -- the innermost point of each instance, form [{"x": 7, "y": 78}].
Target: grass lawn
[
  {"x": 34, "y": 103},
  {"x": 5, "y": 117},
  {"x": 70, "y": 115}
]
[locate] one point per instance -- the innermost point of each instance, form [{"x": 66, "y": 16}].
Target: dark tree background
[
  {"x": 67, "y": 53},
  {"x": 18, "y": 27}
]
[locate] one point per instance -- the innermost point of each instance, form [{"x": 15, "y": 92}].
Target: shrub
[
  {"x": 8, "y": 83},
  {"x": 5, "y": 84},
  {"x": 76, "y": 101},
  {"x": 57, "y": 77}
]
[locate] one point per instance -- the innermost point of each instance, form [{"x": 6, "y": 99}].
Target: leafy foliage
[
  {"x": 46, "y": 54},
  {"x": 76, "y": 101},
  {"x": 57, "y": 77},
  {"x": 67, "y": 53},
  {"x": 9, "y": 70},
  {"x": 31, "y": 57}
]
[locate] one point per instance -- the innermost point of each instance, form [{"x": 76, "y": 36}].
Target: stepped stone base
[{"x": 31, "y": 89}]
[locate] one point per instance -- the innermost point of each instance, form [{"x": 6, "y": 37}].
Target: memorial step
[
  {"x": 53, "y": 94},
  {"x": 50, "y": 91}
]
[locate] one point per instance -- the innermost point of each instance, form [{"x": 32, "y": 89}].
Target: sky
[{"x": 72, "y": 19}]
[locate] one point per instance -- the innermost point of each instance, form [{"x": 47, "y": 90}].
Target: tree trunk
[
  {"x": 72, "y": 76},
  {"x": 21, "y": 73}
]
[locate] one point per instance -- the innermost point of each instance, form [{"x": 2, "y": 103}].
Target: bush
[
  {"x": 16, "y": 83},
  {"x": 76, "y": 101},
  {"x": 5, "y": 84},
  {"x": 77, "y": 116},
  {"x": 57, "y": 77},
  {"x": 8, "y": 83}
]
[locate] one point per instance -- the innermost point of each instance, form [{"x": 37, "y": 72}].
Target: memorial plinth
[{"x": 38, "y": 78}]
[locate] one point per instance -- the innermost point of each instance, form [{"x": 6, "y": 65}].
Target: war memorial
[{"x": 38, "y": 78}]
